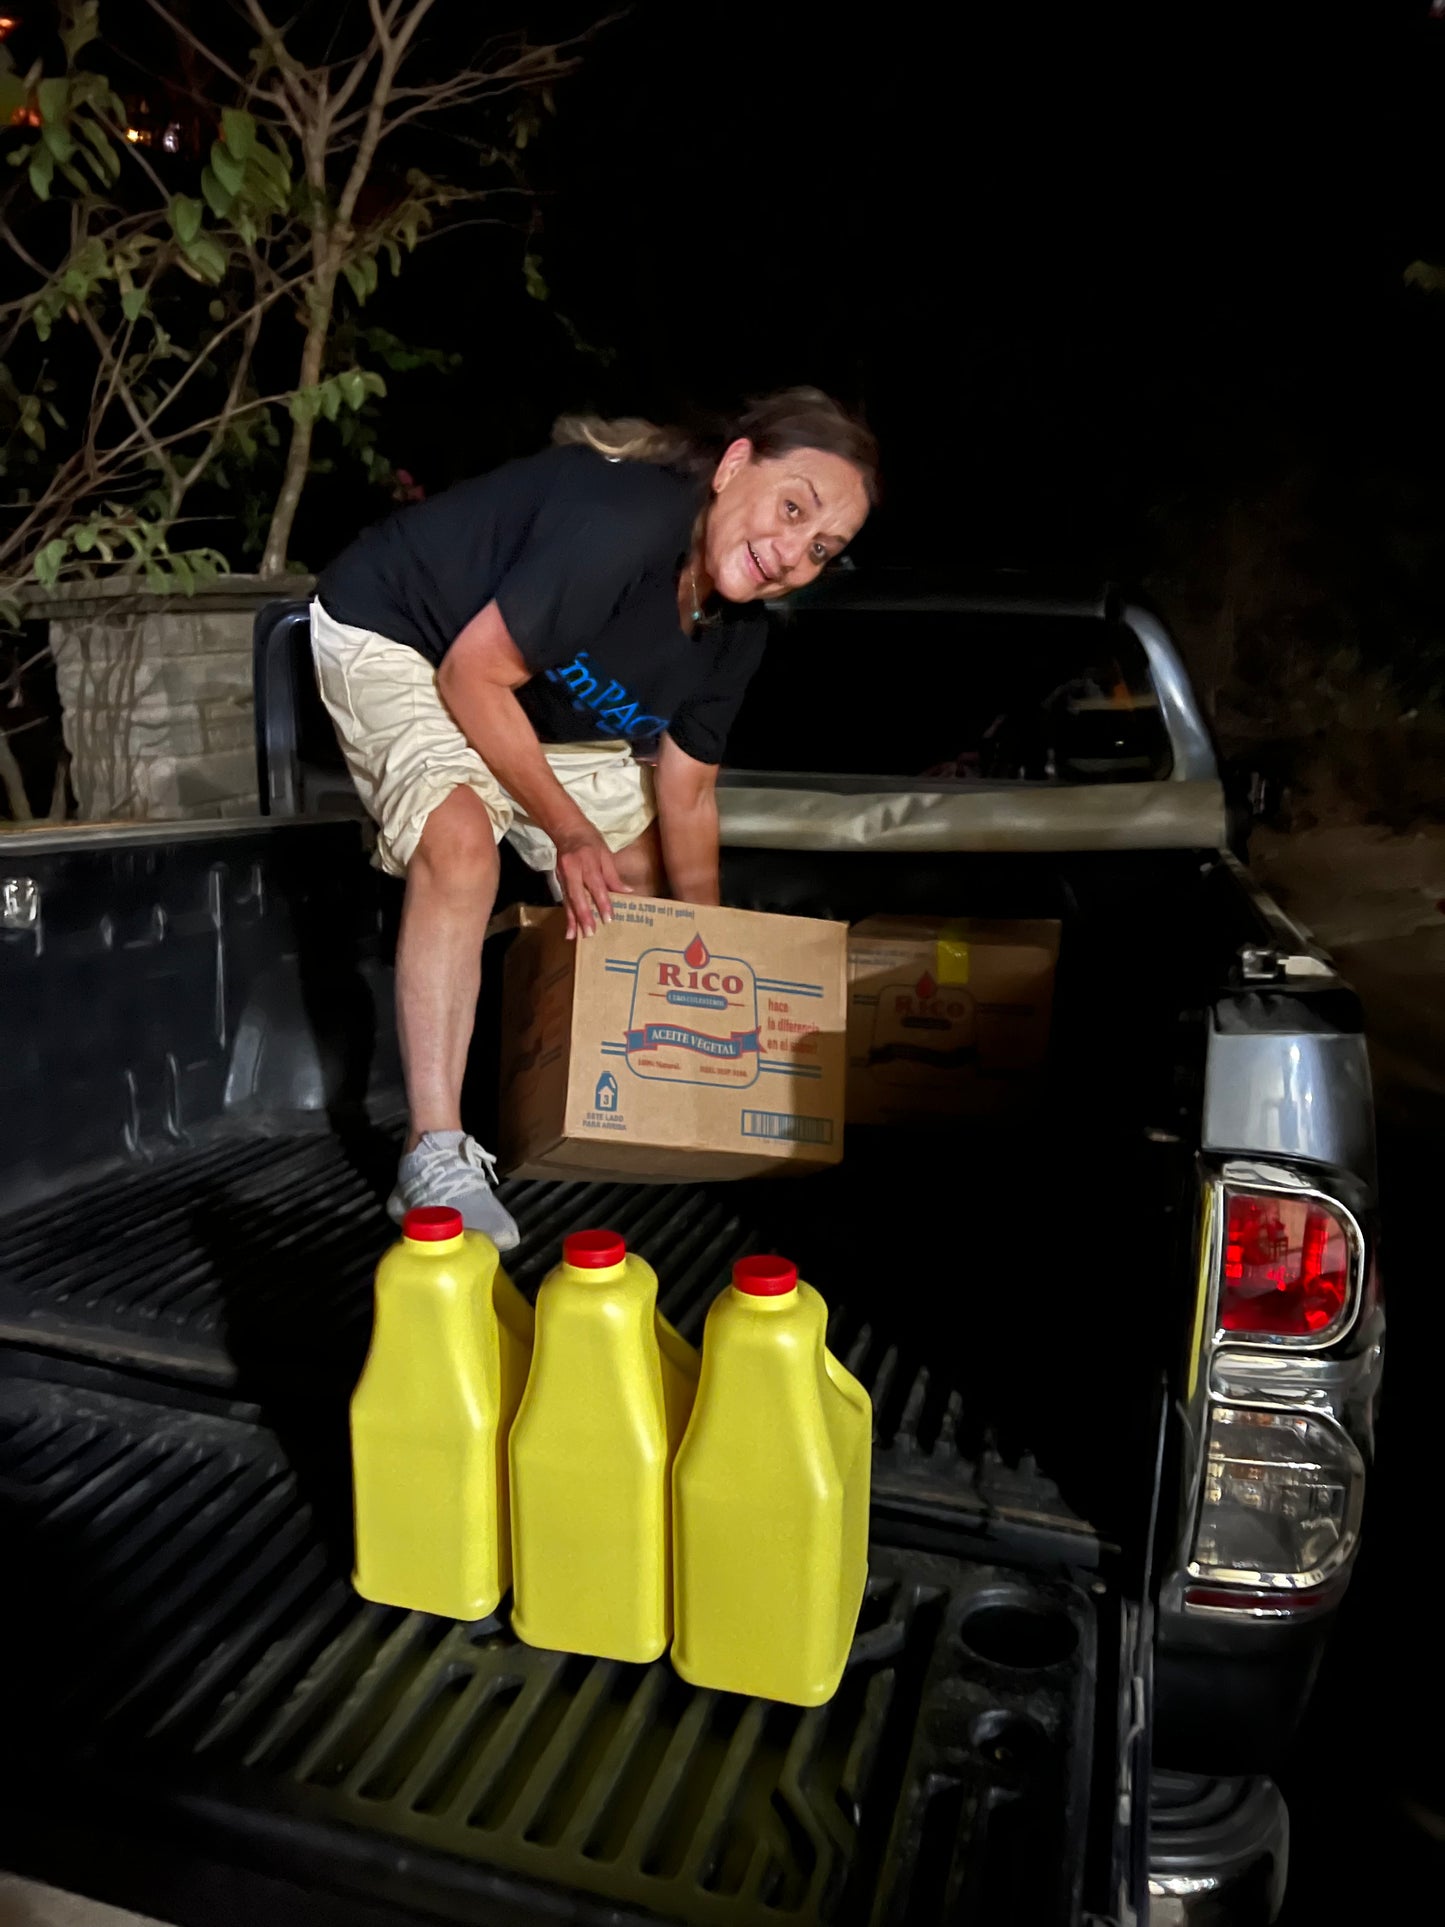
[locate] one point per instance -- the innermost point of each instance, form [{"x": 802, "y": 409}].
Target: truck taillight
[
  {"x": 1290, "y": 1267},
  {"x": 1280, "y": 1506}
]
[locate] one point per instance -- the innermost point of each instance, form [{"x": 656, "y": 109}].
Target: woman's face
[{"x": 773, "y": 524}]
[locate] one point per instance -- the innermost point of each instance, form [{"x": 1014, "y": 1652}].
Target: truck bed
[
  {"x": 179, "y": 1347},
  {"x": 196, "y": 1154}
]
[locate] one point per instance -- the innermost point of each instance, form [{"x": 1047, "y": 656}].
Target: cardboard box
[
  {"x": 679, "y": 1042},
  {"x": 946, "y": 1018}
]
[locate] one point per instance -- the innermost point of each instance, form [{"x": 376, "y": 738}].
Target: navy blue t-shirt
[{"x": 582, "y": 556}]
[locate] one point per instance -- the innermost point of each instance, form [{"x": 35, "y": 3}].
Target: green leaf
[
  {"x": 217, "y": 310},
  {"x": 240, "y": 132},
  {"x": 132, "y": 303},
  {"x": 276, "y": 167},
  {"x": 185, "y": 218},
  {"x": 106, "y": 160},
  {"x": 265, "y": 193},
  {"x": 353, "y": 387},
  {"x": 84, "y": 540},
  {"x": 183, "y": 575},
  {"x": 218, "y": 197},
  {"x": 230, "y": 172},
  {"x": 48, "y": 562},
  {"x": 58, "y": 140},
  {"x": 156, "y": 577},
  {"x": 104, "y": 163},
  {"x": 208, "y": 258},
  {"x": 42, "y": 173},
  {"x": 330, "y": 394},
  {"x": 52, "y": 97},
  {"x": 82, "y": 28},
  {"x": 13, "y": 96},
  {"x": 355, "y": 279},
  {"x": 305, "y": 404},
  {"x": 532, "y": 275}
]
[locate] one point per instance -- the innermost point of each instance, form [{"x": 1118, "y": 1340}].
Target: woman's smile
[{"x": 755, "y": 561}]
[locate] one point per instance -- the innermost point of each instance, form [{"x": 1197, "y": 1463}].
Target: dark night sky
[{"x": 1064, "y": 267}]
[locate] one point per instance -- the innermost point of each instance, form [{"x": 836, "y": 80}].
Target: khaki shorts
[{"x": 406, "y": 754}]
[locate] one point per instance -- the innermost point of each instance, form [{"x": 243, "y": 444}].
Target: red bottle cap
[
  {"x": 765, "y": 1276},
  {"x": 594, "y": 1250},
  {"x": 430, "y": 1223}
]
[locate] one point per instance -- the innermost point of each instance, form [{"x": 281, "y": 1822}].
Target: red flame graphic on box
[
  {"x": 925, "y": 987},
  {"x": 696, "y": 954}
]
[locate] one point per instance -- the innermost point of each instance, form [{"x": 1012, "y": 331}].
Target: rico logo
[
  {"x": 695, "y": 975},
  {"x": 923, "y": 1000}
]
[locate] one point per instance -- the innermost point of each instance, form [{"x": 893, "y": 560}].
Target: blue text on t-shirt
[{"x": 611, "y": 704}]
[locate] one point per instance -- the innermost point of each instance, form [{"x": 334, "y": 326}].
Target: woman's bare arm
[
  {"x": 478, "y": 681},
  {"x": 687, "y": 824}
]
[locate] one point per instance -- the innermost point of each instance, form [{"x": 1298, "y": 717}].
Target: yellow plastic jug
[
  {"x": 770, "y": 1497},
  {"x": 430, "y": 1419},
  {"x": 608, "y": 1400}
]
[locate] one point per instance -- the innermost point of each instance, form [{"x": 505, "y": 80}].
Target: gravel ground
[{"x": 1366, "y": 1785}]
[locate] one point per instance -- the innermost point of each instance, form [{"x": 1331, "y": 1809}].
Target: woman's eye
[
  {"x": 820, "y": 552},
  {"x": 791, "y": 507}
]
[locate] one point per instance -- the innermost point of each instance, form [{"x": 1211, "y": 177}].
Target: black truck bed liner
[
  {"x": 244, "y": 1266},
  {"x": 191, "y": 1656},
  {"x": 177, "y": 1346}
]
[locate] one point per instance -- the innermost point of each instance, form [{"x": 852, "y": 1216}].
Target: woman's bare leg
[
  {"x": 639, "y": 864},
  {"x": 451, "y": 885}
]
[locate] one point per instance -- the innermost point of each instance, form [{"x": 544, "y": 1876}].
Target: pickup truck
[{"x": 1123, "y": 1346}]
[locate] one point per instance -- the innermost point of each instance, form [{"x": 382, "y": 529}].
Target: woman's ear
[{"x": 735, "y": 456}]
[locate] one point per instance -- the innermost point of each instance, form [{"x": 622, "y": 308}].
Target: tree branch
[{"x": 207, "y": 53}]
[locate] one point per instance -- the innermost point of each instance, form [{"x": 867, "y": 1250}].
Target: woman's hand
[{"x": 587, "y": 876}]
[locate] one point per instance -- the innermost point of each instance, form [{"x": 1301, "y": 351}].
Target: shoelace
[
  {"x": 480, "y": 1160},
  {"x": 445, "y": 1178}
]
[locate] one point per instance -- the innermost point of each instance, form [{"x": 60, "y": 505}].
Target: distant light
[
  {"x": 171, "y": 138},
  {"x": 132, "y": 133},
  {"x": 8, "y": 24}
]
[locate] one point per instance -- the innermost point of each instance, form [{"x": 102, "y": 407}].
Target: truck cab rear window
[{"x": 952, "y": 697}]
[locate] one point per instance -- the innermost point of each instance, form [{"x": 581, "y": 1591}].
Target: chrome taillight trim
[
  {"x": 1283, "y": 1583},
  {"x": 1337, "y": 1378},
  {"x": 1278, "y": 1181},
  {"x": 1280, "y": 1605}
]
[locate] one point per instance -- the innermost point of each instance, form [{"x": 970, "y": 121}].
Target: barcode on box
[{"x": 800, "y": 1130}]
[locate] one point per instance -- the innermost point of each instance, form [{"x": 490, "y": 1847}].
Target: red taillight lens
[{"x": 1287, "y": 1264}]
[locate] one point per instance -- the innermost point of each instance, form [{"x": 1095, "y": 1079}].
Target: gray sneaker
[{"x": 448, "y": 1167}]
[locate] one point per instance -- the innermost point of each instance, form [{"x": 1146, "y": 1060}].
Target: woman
[{"x": 498, "y": 659}]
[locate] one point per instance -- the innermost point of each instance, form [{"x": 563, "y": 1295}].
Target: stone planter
[{"x": 156, "y": 696}]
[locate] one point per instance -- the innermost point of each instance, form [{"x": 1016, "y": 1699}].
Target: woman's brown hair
[{"x": 775, "y": 425}]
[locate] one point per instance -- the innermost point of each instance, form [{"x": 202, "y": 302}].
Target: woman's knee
[
  {"x": 639, "y": 863},
  {"x": 458, "y": 847}
]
